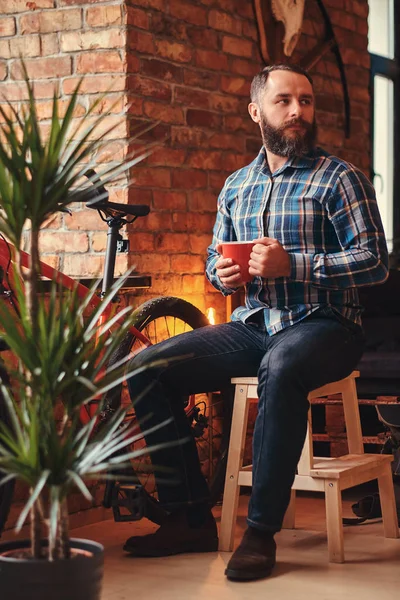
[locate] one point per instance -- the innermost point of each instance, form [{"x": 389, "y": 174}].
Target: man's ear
[{"x": 254, "y": 111}]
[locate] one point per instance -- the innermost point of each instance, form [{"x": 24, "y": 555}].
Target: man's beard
[{"x": 297, "y": 144}]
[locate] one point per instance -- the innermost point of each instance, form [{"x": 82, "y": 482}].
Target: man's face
[{"x": 286, "y": 114}]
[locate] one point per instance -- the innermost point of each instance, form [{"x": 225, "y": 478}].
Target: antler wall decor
[{"x": 290, "y": 12}]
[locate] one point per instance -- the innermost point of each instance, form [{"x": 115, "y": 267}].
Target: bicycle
[{"x": 156, "y": 319}]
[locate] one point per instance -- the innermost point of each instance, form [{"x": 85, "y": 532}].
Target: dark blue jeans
[{"x": 289, "y": 364}]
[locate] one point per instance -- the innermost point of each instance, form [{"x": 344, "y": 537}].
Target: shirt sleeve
[
  {"x": 223, "y": 232},
  {"x": 353, "y": 212}
]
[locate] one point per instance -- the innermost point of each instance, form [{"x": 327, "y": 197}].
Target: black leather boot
[{"x": 255, "y": 556}]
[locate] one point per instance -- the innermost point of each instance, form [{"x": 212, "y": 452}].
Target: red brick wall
[{"x": 187, "y": 64}]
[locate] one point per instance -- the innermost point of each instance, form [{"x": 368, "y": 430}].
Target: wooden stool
[{"x": 328, "y": 475}]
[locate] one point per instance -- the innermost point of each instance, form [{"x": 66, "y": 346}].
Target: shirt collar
[{"x": 297, "y": 162}]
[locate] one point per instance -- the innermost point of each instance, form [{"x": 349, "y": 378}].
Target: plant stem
[
  {"x": 64, "y": 525},
  {"x": 36, "y": 547},
  {"x": 54, "y": 542},
  {"x": 31, "y": 279},
  {"x": 32, "y": 309}
]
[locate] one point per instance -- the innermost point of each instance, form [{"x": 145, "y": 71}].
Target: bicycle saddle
[
  {"x": 99, "y": 201},
  {"x": 114, "y": 208}
]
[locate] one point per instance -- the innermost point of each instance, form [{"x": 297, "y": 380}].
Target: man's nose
[{"x": 296, "y": 109}]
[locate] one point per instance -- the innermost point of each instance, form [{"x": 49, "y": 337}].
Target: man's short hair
[{"x": 259, "y": 81}]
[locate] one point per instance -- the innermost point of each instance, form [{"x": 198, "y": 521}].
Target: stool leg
[
  {"x": 235, "y": 458},
  {"x": 288, "y": 520},
  {"x": 334, "y": 526},
  {"x": 388, "y": 503}
]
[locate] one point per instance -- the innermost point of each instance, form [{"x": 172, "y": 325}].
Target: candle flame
[{"x": 211, "y": 316}]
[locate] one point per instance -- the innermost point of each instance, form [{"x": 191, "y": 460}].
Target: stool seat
[
  {"x": 349, "y": 465},
  {"x": 327, "y": 475}
]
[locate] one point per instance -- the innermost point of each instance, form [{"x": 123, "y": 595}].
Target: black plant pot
[{"x": 78, "y": 578}]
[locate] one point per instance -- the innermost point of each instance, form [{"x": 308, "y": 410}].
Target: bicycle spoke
[
  {"x": 166, "y": 328},
  {"x": 155, "y": 337}
]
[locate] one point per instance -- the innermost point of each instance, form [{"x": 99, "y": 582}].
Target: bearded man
[{"x": 318, "y": 236}]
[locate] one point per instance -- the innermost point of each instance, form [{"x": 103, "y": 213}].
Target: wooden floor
[{"x": 371, "y": 571}]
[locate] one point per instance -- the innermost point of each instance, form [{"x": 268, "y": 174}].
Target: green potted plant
[{"x": 60, "y": 364}]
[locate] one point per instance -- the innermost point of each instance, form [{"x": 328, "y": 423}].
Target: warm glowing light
[{"x": 211, "y": 315}]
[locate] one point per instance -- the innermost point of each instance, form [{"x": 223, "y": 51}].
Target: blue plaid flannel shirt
[{"x": 324, "y": 212}]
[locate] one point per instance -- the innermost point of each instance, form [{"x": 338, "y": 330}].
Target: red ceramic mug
[{"x": 239, "y": 252}]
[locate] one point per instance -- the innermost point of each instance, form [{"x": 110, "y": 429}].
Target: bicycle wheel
[{"x": 209, "y": 414}]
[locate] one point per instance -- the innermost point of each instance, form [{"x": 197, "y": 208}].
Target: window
[
  {"x": 383, "y": 45},
  {"x": 381, "y": 27}
]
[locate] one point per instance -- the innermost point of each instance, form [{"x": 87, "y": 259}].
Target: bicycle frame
[
  {"x": 65, "y": 281},
  {"x": 68, "y": 283}
]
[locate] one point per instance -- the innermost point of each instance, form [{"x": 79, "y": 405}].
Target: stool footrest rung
[{"x": 349, "y": 464}]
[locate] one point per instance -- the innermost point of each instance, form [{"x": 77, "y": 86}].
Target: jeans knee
[
  {"x": 278, "y": 366},
  {"x": 144, "y": 358},
  {"x": 283, "y": 385},
  {"x": 140, "y": 373}
]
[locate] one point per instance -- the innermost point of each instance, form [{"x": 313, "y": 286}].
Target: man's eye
[
  {"x": 283, "y": 101},
  {"x": 306, "y": 101}
]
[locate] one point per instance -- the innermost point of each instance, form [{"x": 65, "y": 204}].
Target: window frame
[{"x": 390, "y": 69}]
